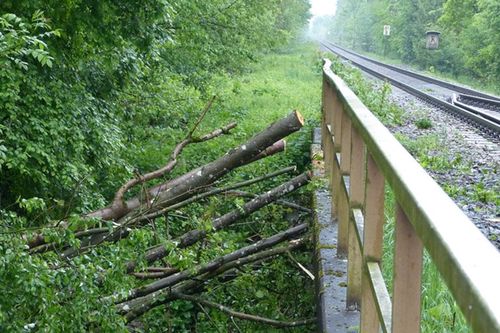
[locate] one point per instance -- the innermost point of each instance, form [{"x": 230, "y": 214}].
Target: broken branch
[
  {"x": 241, "y": 315},
  {"x": 213, "y": 265},
  {"x": 193, "y": 236}
]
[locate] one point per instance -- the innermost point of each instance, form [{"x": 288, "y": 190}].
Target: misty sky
[{"x": 323, "y": 7}]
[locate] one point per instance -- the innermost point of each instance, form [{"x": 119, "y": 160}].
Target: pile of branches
[{"x": 160, "y": 282}]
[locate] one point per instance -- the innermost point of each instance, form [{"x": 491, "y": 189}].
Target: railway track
[{"x": 472, "y": 106}]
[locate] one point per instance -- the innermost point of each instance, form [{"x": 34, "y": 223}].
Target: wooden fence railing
[{"x": 361, "y": 156}]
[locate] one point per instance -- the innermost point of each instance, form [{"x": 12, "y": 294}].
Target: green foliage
[
  {"x": 423, "y": 123},
  {"x": 486, "y": 195},
  {"x": 95, "y": 90}
]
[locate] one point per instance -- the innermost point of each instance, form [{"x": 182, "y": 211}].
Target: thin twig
[
  {"x": 280, "y": 202},
  {"x": 241, "y": 315},
  {"x": 214, "y": 324},
  {"x": 201, "y": 117}
]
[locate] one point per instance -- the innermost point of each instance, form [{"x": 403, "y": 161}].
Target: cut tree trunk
[
  {"x": 181, "y": 187},
  {"x": 266, "y": 143}
]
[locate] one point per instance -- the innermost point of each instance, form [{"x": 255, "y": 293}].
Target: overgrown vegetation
[
  {"x": 96, "y": 92},
  {"x": 469, "y": 40}
]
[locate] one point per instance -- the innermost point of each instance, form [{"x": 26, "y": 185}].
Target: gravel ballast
[{"x": 476, "y": 159}]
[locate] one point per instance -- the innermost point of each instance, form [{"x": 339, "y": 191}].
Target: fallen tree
[
  {"x": 157, "y": 201},
  {"x": 166, "y": 194}
]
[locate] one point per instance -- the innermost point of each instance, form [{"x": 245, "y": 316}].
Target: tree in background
[{"x": 469, "y": 39}]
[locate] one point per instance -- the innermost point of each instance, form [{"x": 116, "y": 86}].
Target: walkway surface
[{"x": 333, "y": 315}]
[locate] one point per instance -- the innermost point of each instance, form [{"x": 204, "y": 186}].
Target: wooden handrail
[{"x": 360, "y": 156}]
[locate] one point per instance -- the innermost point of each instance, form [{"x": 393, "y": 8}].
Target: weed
[
  {"x": 454, "y": 191},
  {"x": 485, "y": 195},
  {"x": 423, "y": 123}
]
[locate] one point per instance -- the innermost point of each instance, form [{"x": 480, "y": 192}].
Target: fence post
[
  {"x": 357, "y": 198},
  {"x": 326, "y": 140},
  {"x": 372, "y": 243},
  {"x": 407, "y": 276},
  {"x": 342, "y": 190}
]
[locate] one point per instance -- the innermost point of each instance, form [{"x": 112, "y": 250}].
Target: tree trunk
[{"x": 183, "y": 186}]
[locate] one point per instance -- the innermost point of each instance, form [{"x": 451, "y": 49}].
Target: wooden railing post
[
  {"x": 342, "y": 189},
  {"x": 326, "y": 136},
  {"x": 357, "y": 198},
  {"x": 335, "y": 173},
  {"x": 372, "y": 243},
  {"x": 407, "y": 276},
  {"x": 345, "y": 149}
]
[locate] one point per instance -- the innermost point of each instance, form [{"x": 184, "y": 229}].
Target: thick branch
[
  {"x": 178, "y": 189},
  {"x": 241, "y": 315},
  {"x": 193, "y": 236},
  {"x": 141, "y": 179},
  {"x": 215, "y": 192},
  {"x": 277, "y": 147},
  {"x": 156, "y": 273},
  {"x": 279, "y": 202}
]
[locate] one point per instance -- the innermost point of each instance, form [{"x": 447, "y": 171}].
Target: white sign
[{"x": 387, "y": 30}]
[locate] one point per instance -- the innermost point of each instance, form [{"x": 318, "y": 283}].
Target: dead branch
[
  {"x": 213, "y": 265},
  {"x": 277, "y": 147},
  {"x": 193, "y": 236},
  {"x": 279, "y": 202},
  {"x": 137, "y": 307},
  {"x": 214, "y": 192},
  {"x": 241, "y": 315}
]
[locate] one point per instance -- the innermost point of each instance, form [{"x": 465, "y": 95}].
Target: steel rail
[
  {"x": 445, "y": 84},
  {"x": 488, "y": 124},
  {"x": 490, "y": 104},
  {"x": 457, "y": 102}
]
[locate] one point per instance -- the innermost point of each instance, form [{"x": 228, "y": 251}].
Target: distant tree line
[{"x": 469, "y": 41}]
